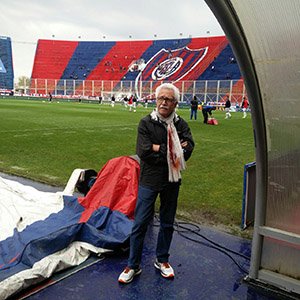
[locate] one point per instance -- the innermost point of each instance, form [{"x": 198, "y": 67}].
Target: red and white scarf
[{"x": 175, "y": 158}]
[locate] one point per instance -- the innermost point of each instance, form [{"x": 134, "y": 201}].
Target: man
[
  {"x": 125, "y": 101},
  {"x": 134, "y": 100},
  {"x": 194, "y": 108},
  {"x": 245, "y": 105},
  {"x": 227, "y": 108},
  {"x": 130, "y": 102},
  {"x": 164, "y": 143},
  {"x": 113, "y": 101},
  {"x": 146, "y": 103},
  {"x": 207, "y": 110}
]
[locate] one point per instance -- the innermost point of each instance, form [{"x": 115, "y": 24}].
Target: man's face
[{"x": 165, "y": 102}]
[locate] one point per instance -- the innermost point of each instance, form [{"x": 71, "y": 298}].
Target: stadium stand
[
  {"x": 6, "y": 65},
  {"x": 224, "y": 66},
  {"x": 70, "y": 68}
]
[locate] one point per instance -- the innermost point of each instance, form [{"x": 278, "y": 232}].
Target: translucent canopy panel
[
  {"x": 272, "y": 30},
  {"x": 265, "y": 36}
]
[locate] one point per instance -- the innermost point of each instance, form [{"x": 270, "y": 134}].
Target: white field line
[
  {"x": 21, "y": 135},
  {"x": 17, "y": 168},
  {"x": 25, "y": 132},
  {"x": 48, "y": 176},
  {"x": 42, "y": 175}
]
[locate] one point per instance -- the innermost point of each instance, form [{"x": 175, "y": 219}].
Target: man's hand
[
  {"x": 155, "y": 147},
  {"x": 184, "y": 144}
]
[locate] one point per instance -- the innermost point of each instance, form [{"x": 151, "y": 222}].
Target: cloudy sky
[{"x": 97, "y": 20}]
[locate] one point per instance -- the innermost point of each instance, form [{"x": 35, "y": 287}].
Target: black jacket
[
  {"x": 227, "y": 103},
  {"x": 154, "y": 165},
  {"x": 194, "y": 104}
]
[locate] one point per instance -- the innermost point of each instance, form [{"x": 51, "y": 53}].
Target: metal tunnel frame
[{"x": 225, "y": 12}]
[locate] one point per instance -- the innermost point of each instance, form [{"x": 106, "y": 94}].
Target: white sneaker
[
  {"x": 165, "y": 269},
  {"x": 127, "y": 275}
]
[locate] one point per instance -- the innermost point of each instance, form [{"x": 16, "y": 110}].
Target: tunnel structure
[{"x": 264, "y": 36}]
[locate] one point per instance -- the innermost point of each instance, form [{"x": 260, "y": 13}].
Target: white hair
[{"x": 168, "y": 86}]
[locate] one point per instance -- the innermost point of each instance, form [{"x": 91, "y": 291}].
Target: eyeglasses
[{"x": 168, "y": 100}]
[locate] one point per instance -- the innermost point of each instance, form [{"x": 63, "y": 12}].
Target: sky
[{"x": 25, "y": 22}]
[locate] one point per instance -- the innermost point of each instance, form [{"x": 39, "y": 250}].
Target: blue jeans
[
  {"x": 144, "y": 212},
  {"x": 193, "y": 113}
]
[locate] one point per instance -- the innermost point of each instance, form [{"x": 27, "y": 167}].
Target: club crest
[
  {"x": 172, "y": 65},
  {"x": 166, "y": 68}
]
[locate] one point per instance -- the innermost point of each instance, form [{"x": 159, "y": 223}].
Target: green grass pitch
[{"x": 46, "y": 141}]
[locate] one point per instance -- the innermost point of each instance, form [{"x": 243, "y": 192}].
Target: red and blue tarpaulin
[{"x": 100, "y": 221}]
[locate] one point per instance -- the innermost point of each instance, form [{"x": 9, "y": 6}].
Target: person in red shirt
[
  {"x": 245, "y": 105},
  {"x": 130, "y": 102}
]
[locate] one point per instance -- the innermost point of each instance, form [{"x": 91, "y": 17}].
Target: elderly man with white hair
[{"x": 164, "y": 143}]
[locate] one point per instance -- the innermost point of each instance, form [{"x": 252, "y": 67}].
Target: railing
[{"x": 206, "y": 90}]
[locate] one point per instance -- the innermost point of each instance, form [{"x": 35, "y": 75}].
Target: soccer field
[{"x": 47, "y": 141}]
